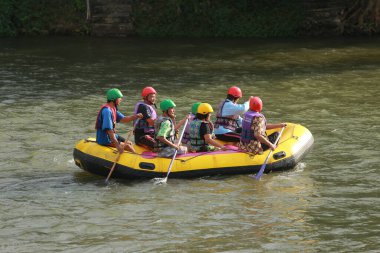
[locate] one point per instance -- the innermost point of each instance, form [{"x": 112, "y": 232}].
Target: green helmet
[
  {"x": 113, "y": 94},
  {"x": 166, "y": 104},
  {"x": 194, "y": 108}
]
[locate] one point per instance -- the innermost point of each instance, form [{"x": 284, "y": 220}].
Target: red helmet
[
  {"x": 255, "y": 104},
  {"x": 148, "y": 90},
  {"x": 235, "y": 91}
]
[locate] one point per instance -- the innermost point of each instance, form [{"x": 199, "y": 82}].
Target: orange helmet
[
  {"x": 255, "y": 104},
  {"x": 148, "y": 90},
  {"x": 235, "y": 91}
]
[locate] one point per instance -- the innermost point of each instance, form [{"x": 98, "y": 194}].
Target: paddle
[
  {"x": 117, "y": 158},
  {"x": 113, "y": 167},
  {"x": 164, "y": 180},
  {"x": 261, "y": 171}
]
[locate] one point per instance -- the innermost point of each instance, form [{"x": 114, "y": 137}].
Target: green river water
[{"x": 51, "y": 89}]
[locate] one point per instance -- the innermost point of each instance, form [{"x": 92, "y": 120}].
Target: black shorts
[
  {"x": 229, "y": 137},
  {"x": 146, "y": 141},
  {"x": 120, "y": 139}
]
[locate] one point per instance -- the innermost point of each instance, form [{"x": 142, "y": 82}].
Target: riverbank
[{"x": 241, "y": 18}]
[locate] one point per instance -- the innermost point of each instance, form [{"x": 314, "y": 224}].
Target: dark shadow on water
[{"x": 84, "y": 178}]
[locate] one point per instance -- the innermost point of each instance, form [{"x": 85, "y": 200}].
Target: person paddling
[
  {"x": 106, "y": 120},
  {"x": 228, "y": 120},
  {"x": 253, "y": 136},
  {"x": 165, "y": 129},
  {"x": 202, "y": 131},
  {"x": 144, "y": 127}
]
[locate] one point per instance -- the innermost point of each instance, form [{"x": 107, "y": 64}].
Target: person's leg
[
  {"x": 119, "y": 139},
  {"x": 182, "y": 150},
  {"x": 272, "y": 138},
  {"x": 128, "y": 145},
  {"x": 147, "y": 141},
  {"x": 169, "y": 151},
  {"x": 166, "y": 152}
]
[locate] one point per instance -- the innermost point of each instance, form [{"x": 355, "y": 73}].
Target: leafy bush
[
  {"x": 31, "y": 17},
  {"x": 217, "y": 18},
  {"x": 6, "y": 24}
]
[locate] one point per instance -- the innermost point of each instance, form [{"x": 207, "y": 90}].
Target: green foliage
[
  {"x": 32, "y": 17},
  {"x": 6, "y": 25},
  {"x": 217, "y": 18},
  {"x": 163, "y": 18}
]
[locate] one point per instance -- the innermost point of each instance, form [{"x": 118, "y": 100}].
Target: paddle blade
[{"x": 261, "y": 171}]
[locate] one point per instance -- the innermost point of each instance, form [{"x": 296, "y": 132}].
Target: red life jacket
[{"x": 98, "y": 124}]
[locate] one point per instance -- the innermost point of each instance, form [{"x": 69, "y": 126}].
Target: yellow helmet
[{"x": 204, "y": 108}]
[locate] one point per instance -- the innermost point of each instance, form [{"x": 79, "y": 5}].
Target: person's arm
[
  {"x": 235, "y": 109},
  {"x": 164, "y": 140},
  {"x": 162, "y": 133},
  {"x": 182, "y": 121},
  {"x": 206, "y": 130},
  {"x": 211, "y": 141},
  {"x": 150, "y": 121},
  {"x": 259, "y": 128},
  {"x": 114, "y": 141},
  {"x": 146, "y": 113},
  {"x": 264, "y": 140},
  {"x": 107, "y": 126},
  {"x": 273, "y": 126},
  {"x": 127, "y": 119}
]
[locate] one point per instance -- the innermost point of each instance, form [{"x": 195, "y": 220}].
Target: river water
[{"x": 51, "y": 89}]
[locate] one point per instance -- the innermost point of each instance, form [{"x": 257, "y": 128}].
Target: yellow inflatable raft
[{"x": 295, "y": 142}]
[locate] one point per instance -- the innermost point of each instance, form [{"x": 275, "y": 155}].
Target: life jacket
[
  {"x": 99, "y": 119},
  {"x": 143, "y": 123},
  {"x": 186, "y": 133},
  {"x": 246, "y": 134},
  {"x": 197, "y": 142},
  {"x": 229, "y": 122},
  {"x": 157, "y": 126}
]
